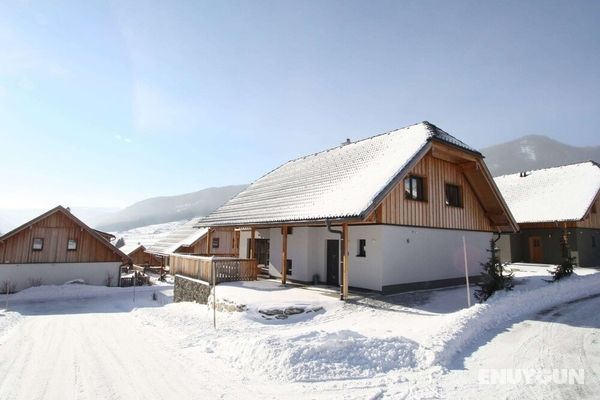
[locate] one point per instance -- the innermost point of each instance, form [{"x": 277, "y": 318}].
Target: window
[
  {"x": 288, "y": 268},
  {"x": 594, "y": 208},
  {"x": 290, "y": 230},
  {"x": 38, "y": 244},
  {"x": 414, "y": 188},
  {"x": 72, "y": 245},
  {"x": 593, "y": 241},
  {"x": 215, "y": 243},
  {"x": 362, "y": 245},
  {"x": 453, "y": 195}
]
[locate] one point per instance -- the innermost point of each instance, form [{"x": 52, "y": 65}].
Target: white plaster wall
[
  {"x": 420, "y": 254},
  {"x": 57, "y": 274},
  {"x": 307, "y": 248},
  {"x": 297, "y": 251},
  {"x": 365, "y": 272}
]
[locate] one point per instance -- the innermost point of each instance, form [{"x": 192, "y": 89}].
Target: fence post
[
  {"x": 7, "y": 286},
  {"x": 214, "y": 283}
]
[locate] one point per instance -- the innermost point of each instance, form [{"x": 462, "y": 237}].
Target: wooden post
[
  {"x": 284, "y": 254},
  {"x": 252, "y": 242},
  {"x": 208, "y": 241},
  {"x": 345, "y": 259}
]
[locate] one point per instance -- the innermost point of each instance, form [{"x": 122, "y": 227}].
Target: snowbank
[
  {"x": 323, "y": 356},
  {"x": 463, "y": 328},
  {"x": 75, "y": 291}
]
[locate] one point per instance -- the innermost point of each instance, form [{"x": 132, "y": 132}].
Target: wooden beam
[
  {"x": 252, "y": 242},
  {"x": 208, "y": 240},
  {"x": 284, "y": 254},
  {"x": 345, "y": 260}
]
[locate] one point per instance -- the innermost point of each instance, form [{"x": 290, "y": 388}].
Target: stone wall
[{"x": 188, "y": 289}]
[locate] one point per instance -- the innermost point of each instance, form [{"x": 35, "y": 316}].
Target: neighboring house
[
  {"x": 139, "y": 256},
  {"x": 401, "y": 202},
  {"x": 545, "y": 202},
  {"x": 57, "y": 247},
  {"x": 190, "y": 238}
]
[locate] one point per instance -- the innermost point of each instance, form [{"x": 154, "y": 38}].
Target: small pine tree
[
  {"x": 493, "y": 277},
  {"x": 120, "y": 243},
  {"x": 566, "y": 267}
]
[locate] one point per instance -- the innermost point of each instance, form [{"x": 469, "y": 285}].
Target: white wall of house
[
  {"x": 421, "y": 254},
  {"x": 307, "y": 248},
  {"x": 394, "y": 254},
  {"x": 23, "y": 276}
]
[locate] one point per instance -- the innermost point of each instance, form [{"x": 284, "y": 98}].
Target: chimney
[{"x": 347, "y": 142}]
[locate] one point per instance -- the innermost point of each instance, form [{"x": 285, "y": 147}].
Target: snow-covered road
[
  {"x": 564, "y": 337},
  {"x": 63, "y": 350}
]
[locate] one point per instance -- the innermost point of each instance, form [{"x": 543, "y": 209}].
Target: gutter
[{"x": 330, "y": 229}]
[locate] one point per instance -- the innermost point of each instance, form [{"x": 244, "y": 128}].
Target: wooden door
[
  {"x": 333, "y": 262},
  {"x": 261, "y": 247},
  {"x": 535, "y": 249}
]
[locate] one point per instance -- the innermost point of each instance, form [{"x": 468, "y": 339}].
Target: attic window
[
  {"x": 414, "y": 188},
  {"x": 215, "y": 243},
  {"x": 72, "y": 245},
  {"x": 453, "y": 195},
  {"x": 38, "y": 244}
]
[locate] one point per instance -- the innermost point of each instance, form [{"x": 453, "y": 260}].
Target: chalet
[
  {"x": 387, "y": 213},
  {"x": 57, "y": 247},
  {"x": 191, "y": 238},
  {"x": 547, "y": 203},
  {"x": 139, "y": 256}
]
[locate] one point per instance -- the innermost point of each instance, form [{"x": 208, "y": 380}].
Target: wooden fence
[{"x": 227, "y": 269}]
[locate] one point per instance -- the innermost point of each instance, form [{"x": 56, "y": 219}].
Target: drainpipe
[{"x": 328, "y": 223}]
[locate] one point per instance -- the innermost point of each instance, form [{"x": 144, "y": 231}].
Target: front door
[
  {"x": 333, "y": 262},
  {"x": 261, "y": 247},
  {"x": 535, "y": 249}
]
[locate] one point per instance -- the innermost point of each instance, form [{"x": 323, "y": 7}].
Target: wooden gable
[
  {"x": 480, "y": 209},
  {"x": 592, "y": 217},
  {"x": 56, "y": 229}
]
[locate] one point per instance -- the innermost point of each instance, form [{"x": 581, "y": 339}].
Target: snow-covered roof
[
  {"x": 342, "y": 182},
  {"x": 185, "y": 235},
  {"x": 129, "y": 248},
  {"x": 552, "y": 194}
]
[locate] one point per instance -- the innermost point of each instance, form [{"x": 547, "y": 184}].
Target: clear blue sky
[{"x": 105, "y": 103}]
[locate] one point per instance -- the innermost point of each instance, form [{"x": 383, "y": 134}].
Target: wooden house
[
  {"x": 387, "y": 213},
  {"x": 139, "y": 256},
  {"x": 547, "y": 203},
  {"x": 193, "y": 239},
  {"x": 57, "y": 247}
]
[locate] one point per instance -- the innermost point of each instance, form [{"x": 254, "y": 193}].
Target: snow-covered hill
[{"x": 535, "y": 152}]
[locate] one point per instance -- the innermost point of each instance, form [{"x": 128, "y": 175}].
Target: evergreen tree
[
  {"x": 493, "y": 277},
  {"x": 566, "y": 267},
  {"x": 120, "y": 243}
]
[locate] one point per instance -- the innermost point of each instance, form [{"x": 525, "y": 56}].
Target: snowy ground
[
  {"x": 81, "y": 342},
  {"x": 148, "y": 235}
]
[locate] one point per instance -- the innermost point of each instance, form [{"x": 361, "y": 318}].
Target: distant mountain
[
  {"x": 535, "y": 152},
  {"x": 158, "y": 210}
]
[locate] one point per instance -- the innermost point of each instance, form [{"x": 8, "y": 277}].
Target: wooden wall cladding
[
  {"x": 56, "y": 230},
  {"x": 433, "y": 212}
]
